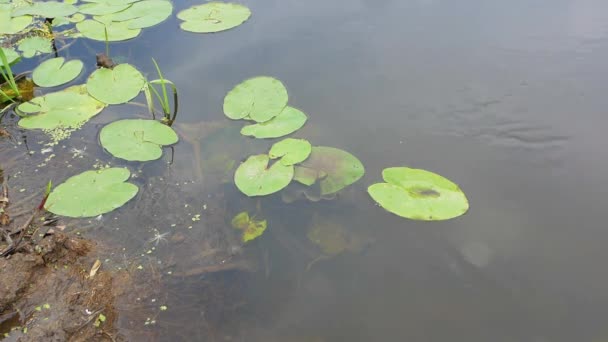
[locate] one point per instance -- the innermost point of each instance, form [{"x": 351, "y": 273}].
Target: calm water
[{"x": 506, "y": 98}]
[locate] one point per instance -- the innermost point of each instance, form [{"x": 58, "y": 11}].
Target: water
[{"x": 505, "y": 98}]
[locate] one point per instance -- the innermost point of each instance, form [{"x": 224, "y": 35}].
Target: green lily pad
[
  {"x": 11, "y": 56},
  {"x": 115, "y": 86},
  {"x": 141, "y": 14},
  {"x": 291, "y": 151},
  {"x": 338, "y": 168},
  {"x": 69, "y": 108},
  {"x": 117, "y": 31},
  {"x": 102, "y": 8},
  {"x": 55, "y": 72},
  {"x": 213, "y": 17},
  {"x": 137, "y": 139},
  {"x": 251, "y": 228},
  {"x": 255, "y": 178},
  {"x": 307, "y": 176},
  {"x": 92, "y": 193},
  {"x": 288, "y": 121},
  {"x": 32, "y": 46},
  {"x": 259, "y": 99},
  {"x": 10, "y": 24},
  {"x": 419, "y": 195},
  {"x": 47, "y": 9}
]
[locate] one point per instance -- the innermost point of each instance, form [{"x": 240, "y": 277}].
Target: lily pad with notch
[
  {"x": 290, "y": 151},
  {"x": 335, "y": 168},
  {"x": 10, "y": 24},
  {"x": 36, "y": 45},
  {"x": 141, "y": 14},
  {"x": 259, "y": 99},
  {"x": 117, "y": 31},
  {"x": 137, "y": 139},
  {"x": 213, "y": 17},
  {"x": 47, "y": 9},
  {"x": 419, "y": 195},
  {"x": 56, "y": 71},
  {"x": 288, "y": 121},
  {"x": 92, "y": 193},
  {"x": 254, "y": 178},
  {"x": 117, "y": 85}
]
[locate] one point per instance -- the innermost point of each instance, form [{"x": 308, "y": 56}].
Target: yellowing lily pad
[
  {"x": 213, "y": 17},
  {"x": 117, "y": 31},
  {"x": 288, "y": 121},
  {"x": 115, "y": 86},
  {"x": 56, "y": 71},
  {"x": 338, "y": 168},
  {"x": 137, "y": 139},
  {"x": 69, "y": 108},
  {"x": 255, "y": 178},
  {"x": 291, "y": 151},
  {"x": 259, "y": 99},
  {"x": 92, "y": 193},
  {"x": 251, "y": 228},
  {"x": 419, "y": 195}
]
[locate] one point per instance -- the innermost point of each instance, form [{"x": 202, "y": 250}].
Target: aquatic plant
[
  {"x": 56, "y": 71},
  {"x": 419, "y": 195},
  {"x": 7, "y": 75},
  {"x": 259, "y": 99},
  {"x": 117, "y": 85},
  {"x": 251, "y": 227},
  {"x": 213, "y": 17},
  {"x": 136, "y": 139},
  {"x": 10, "y": 24},
  {"x": 290, "y": 151},
  {"x": 164, "y": 100},
  {"x": 254, "y": 178},
  {"x": 92, "y": 193},
  {"x": 288, "y": 121}
]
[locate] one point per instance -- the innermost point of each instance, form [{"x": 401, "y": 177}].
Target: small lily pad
[
  {"x": 115, "y": 86},
  {"x": 419, "y": 195},
  {"x": 92, "y": 193},
  {"x": 55, "y": 72},
  {"x": 288, "y": 121},
  {"x": 255, "y": 178},
  {"x": 10, "y": 24},
  {"x": 117, "y": 31},
  {"x": 137, "y": 139},
  {"x": 142, "y": 14},
  {"x": 47, "y": 9},
  {"x": 251, "y": 228},
  {"x": 337, "y": 168},
  {"x": 259, "y": 99},
  {"x": 33, "y": 46},
  {"x": 69, "y": 108},
  {"x": 291, "y": 151},
  {"x": 213, "y": 17}
]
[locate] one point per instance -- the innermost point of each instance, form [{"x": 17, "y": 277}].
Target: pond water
[{"x": 507, "y": 99}]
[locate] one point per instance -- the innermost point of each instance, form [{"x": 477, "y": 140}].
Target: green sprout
[
  {"x": 164, "y": 99},
  {"x": 7, "y": 74}
]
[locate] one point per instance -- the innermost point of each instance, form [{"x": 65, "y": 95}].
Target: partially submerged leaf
[
  {"x": 259, "y": 99},
  {"x": 419, "y": 194},
  {"x": 55, "y": 72},
  {"x": 92, "y": 193},
  {"x": 142, "y": 14},
  {"x": 32, "y": 46},
  {"x": 117, "y": 31},
  {"x": 47, "y": 9},
  {"x": 307, "y": 176},
  {"x": 137, "y": 139},
  {"x": 251, "y": 228},
  {"x": 10, "y": 24},
  {"x": 288, "y": 121},
  {"x": 255, "y": 178},
  {"x": 115, "y": 86},
  {"x": 213, "y": 17},
  {"x": 338, "y": 168},
  {"x": 68, "y": 108},
  {"x": 291, "y": 151}
]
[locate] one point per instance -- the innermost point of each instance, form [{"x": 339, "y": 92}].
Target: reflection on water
[{"x": 505, "y": 98}]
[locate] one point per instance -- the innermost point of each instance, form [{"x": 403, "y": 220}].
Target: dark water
[{"x": 506, "y": 98}]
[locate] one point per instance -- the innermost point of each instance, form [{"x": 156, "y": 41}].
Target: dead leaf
[{"x": 94, "y": 269}]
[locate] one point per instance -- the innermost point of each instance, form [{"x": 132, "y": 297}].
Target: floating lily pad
[
  {"x": 68, "y": 108},
  {"x": 32, "y": 46},
  {"x": 54, "y": 72},
  {"x": 47, "y": 9},
  {"x": 255, "y": 178},
  {"x": 213, "y": 17},
  {"x": 291, "y": 151},
  {"x": 251, "y": 228},
  {"x": 141, "y": 14},
  {"x": 102, "y": 8},
  {"x": 137, "y": 139},
  {"x": 92, "y": 193},
  {"x": 259, "y": 99},
  {"x": 12, "y": 25},
  {"x": 419, "y": 195},
  {"x": 307, "y": 176},
  {"x": 288, "y": 121},
  {"x": 117, "y": 31},
  {"x": 11, "y": 56},
  {"x": 115, "y": 86},
  {"x": 338, "y": 168}
]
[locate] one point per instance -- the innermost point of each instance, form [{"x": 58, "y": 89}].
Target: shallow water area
[{"x": 503, "y": 98}]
